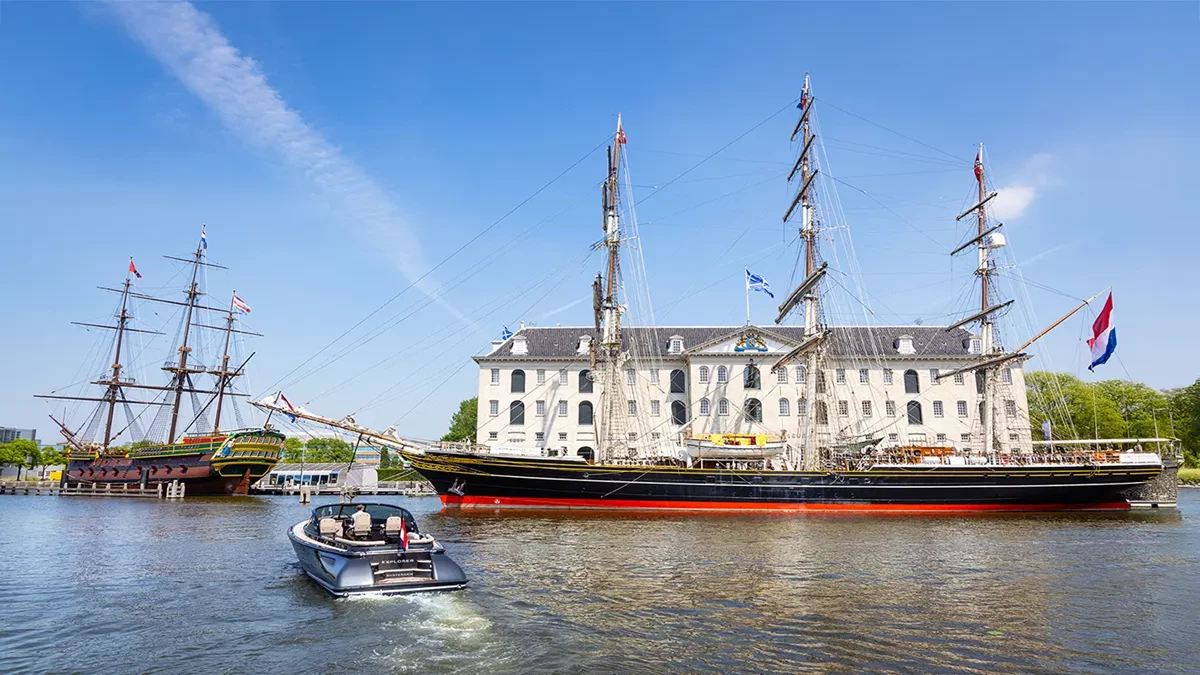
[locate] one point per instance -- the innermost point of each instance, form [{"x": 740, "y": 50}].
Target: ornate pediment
[{"x": 748, "y": 341}]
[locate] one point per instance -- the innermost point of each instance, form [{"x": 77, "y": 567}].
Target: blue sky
[{"x": 364, "y": 143}]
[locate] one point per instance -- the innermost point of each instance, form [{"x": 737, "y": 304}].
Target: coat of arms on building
[{"x": 750, "y": 342}]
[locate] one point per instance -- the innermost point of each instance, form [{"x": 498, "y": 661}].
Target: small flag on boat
[
  {"x": 403, "y": 535},
  {"x": 240, "y": 304},
  {"x": 133, "y": 269},
  {"x": 804, "y": 94},
  {"x": 505, "y": 334},
  {"x": 203, "y": 237},
  {"x": 288, "y": 404},
  {"x": 620, "y": 131},
  {"x": 979, "y": 165},
  {"x": 1104, "y": 336},
  {"x": 757, "y": 283}
]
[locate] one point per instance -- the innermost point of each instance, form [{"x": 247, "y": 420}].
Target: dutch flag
[
  {"x": 240, "y": 304},
  {"x": 203, "y": 237},
  {"x": 1104, "y": 336}
]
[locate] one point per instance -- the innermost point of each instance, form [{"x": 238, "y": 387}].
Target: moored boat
[{"x": 389, "y": 557}]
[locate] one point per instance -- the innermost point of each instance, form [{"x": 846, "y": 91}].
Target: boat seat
[
  {"x": 330, "y": 527},
  {"x": 362, "y": 526},
  {"x": 393, "y": 526}
]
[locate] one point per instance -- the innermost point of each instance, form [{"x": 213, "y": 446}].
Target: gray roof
[{"x": 562, "y": 342}]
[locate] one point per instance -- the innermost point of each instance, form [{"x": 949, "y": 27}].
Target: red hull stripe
[{"x": 493, "y": 502}]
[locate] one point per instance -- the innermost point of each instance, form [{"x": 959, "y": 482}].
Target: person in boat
[{"x": 360, "y": 515}]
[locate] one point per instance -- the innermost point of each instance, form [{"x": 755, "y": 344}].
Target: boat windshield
[{"x": 379, "y": 513}]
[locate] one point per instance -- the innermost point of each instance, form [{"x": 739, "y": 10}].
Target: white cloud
[
  {"x": 1014, "y": 199},
  {"x": 190, "y": 46}
]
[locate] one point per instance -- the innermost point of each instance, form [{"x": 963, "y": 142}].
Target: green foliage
[
  {"x": 1076, "y": 409},
  {"x": 1185, "y": 411},
  {"x": 143, "y": 444},
  {"x": 463, "y": 423},
  {"x": 317, "y": 451},
  {"x": 399, "y": 474},
  {"x": 1140, "y": 407},
  {"x": 10, "y": 455},
  {"x": 385, "y": 458},
  {"x": 1189, "y": 476}
]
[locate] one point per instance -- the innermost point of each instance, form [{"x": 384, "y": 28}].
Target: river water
[{"x": 212, "y": 586}]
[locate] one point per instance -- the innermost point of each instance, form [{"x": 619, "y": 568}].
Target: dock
[
  {"x": 406, "y": 489},
  {"x": 172, "y": 490}
]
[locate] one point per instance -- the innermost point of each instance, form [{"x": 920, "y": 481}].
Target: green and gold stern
[{"x": 258, "y": 450}]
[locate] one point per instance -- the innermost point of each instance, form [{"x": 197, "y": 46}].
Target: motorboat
[{"x": 386, "y": 555}]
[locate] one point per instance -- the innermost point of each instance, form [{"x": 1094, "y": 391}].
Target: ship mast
[
  {"x": 611, "y": 417},
  {"x": 181, "y": 379},
  {"x": 806, "y": 294},
  {"x": 987, "y": 339},
  {"x": 114, "y": 386},
  {"x": 223, "y": 376}
]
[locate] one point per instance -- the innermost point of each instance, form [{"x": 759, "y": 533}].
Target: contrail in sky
[{"x": 189, "y": 45}]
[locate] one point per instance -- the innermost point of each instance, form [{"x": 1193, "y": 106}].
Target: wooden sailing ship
[
  {"x": 172, "y": 447},
  {"x": 816, "y": 471}
]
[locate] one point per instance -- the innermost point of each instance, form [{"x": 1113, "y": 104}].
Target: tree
[
  {"x": 293, "y": 449},
  {"x": 1185, "y": 411},
  {"x": 143, "y": 444},
  {"x": 1140, "y": 407},
  {"x": 463, "y": 422},
  {"x": 1075, "y": 408},
  {"x": 52, "y": 456},
  {"x": 9, "y": 456},
  {"x": 26, "y": 454},
  {"x": 328, "y": 450},
  {"x": 385, "y": 459}
]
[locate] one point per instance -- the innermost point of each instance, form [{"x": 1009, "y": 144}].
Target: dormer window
[
  {"x": 675, "y": 345},
  {"x": 975, "y": 346},
  {"x": 904, "y": 345},
  {"x": 519, "y": 346},
  {"x": 585, "y": 344}
]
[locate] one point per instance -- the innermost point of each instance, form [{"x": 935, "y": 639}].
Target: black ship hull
[{"x": 483, "y": 481}]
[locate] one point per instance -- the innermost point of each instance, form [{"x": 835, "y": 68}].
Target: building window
[
  {"x": 540, "y": 409},
  {"x": 941, "y": 439},
  {"x": 541, "y": 376},
  {"x": 1006, "y": 376},
  {"x": 938, "y": 411},
  {"x": 586, "y": 453},
  {"x": 562, "y": 435},
  {"x": 1010, "y": 408},
  {"x": 976, "y": 345},
  {"x": 843, "y": 408},
  {"x": 676, "y": 346},
  {"x": 585, "y": 382},
  {"x": 887, "y": 375},
  {"x": 802, "y": 406},
  {"x": 785, "y": 408},
  {"x": 933, "y": 376},
  {"x": 655, "y": 435},
  {"x": 889, "y": 408},
  {"x": 1013, "y": 438},
  {"x": 820, "y": 382},
  {"x": 564, "y": 377},
  {"x": 839, "y": 376},
  {"x": 632, "y": 407},
  {"x": 655, "y": 407},
  {"x": 912, "y": 385},
  {"x": 753, "y": 410},
  {"x": 962, "y": 408},
  {"x": 904, "y": 345},
  {"x": 585, "y": 412},
  {"x": 703, "y": 374},
  {"x": 864, "y": 376},
  {"x": 893, "y": 438},
  {"x": 965, "y": 438},
  {"x": 822, "y": 414},
  {"x": 562, "y": 408},
  {"x": 752, "y": 379},
  {"x": 518, "y": 382},
  {"x": 495, "y": 376},
  {"x": 678, "y": 382},
  {"x": 516, "y": 413},
  {"x": 914, "y": 413},
  {"x": 723, "y": 407},
  {"x": 866, "y": 408},
  {"x": 959, "y": 378},
  {"x": 494, "y": 408},
  {"x": 705, "y": 407},
  {"x": 722, "y": 374},
  {"x": 801, "y": 374},
  {"x": 493, "y": 435},
  {"x": 781, "y": 376},
  {"x": 654, "y": 376},
  {"x": 678, "y": 413},
  {"x": 539, "y": 436},
  {"x": 632, "y": 435},
  {"x": 630, "y": 376}
]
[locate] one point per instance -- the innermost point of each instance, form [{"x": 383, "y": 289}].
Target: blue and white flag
[
  {"x": 757, "y": 283},
  {"x": 203, "y": 238},
  {"x": 1045, "y": 430},
  {"x": 506, "y": 334}
]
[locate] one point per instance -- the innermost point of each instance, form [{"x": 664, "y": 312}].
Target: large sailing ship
[
  {"x": 188, "y": 447},
  {"x": 823, "y": 467}
]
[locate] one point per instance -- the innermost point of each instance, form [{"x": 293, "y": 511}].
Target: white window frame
[
  {"x": 938, "y": 409},
  {"x": 655, "y": 408},
  {"x": 704, "y": 374},
  {"x": 723, "y": 408},
  {"x": 781, "y": 376},
  {"x": 654, "y": 376},
  {"x": 866, "y": 409},
  {"x": 843, "y": 408},
  {"x": 722, "y": 375},
  {"x": 839, "y": 376},
  {"x": 632, "y": 407},
  {"x": 963, "y": 409},
  {"x": 564, "y": 377},
  {"x": 801, "y": 374},
  {"x": 539, "y": 409},
  {"x": 541, "y": 376},
  {"x": 562, "y": 408},
  {"x": 887, "y": 376},
  {"x": 493, "y": 408},
  {"x": 785, "y": 407},
  {"x": 495, "y": 377},
  {"x": 630, "y": 376},
  {"x": 959, "y": 378},
  {"x": 705, "y": 407},
  {"x": 493, "y": 435},
  {"x": 864, "y": 376},
  {"x": 889, "y": 408}
]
